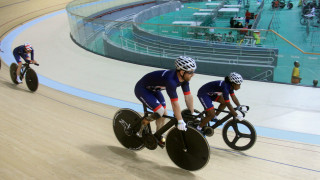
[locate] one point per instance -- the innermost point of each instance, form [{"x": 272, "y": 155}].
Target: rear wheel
[
  {"x": 13, "y": 72},
  {"x": 239, "y": 135},
  {"x": 189, "y": 150},
  {"x": 32, "y": 80},
  {"x": 123, "y": 122}
]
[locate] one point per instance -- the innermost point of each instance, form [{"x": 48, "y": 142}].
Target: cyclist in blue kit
[
  {"x": 219, "y": 91},
  {"x": 148, "y": 91},
  {"x": 23, "y": 52}
]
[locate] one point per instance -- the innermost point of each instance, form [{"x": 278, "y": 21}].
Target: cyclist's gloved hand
[
  {"x": 239, "y": 117},
  {"x": 244, "y": 109},
  {"x": 182, "y": 125}
]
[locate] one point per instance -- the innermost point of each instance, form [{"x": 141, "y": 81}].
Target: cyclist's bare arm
[
  {"x": 235, "y": 100},
  {"x": 176, "y": 109},
  {"x": 233, "y": 112},
  {"x": 189, "y": 102}
]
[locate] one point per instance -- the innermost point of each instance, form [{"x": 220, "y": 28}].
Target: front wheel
[
  {"x": 32, "y": 80},
  {"x": 123, "y": 122},
  {"x": 13, "y": 72},
  {"x": 239, "y": 135},
  {"x": 189, "y": 150}
]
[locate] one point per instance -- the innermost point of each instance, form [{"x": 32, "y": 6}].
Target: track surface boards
[{"x": 53, "y": 135}]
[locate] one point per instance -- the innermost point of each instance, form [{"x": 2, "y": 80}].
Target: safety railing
[{"x": 219, "y": 45}]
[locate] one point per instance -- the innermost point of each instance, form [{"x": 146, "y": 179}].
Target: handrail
[
  {"x": 150, "y": 41},
  {"x": 264, "y": 75},
  {"x": 143, "y": 49},
  {"x": 295, "y": 46}
]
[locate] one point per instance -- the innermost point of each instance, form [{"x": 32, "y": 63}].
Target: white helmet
[
  {"x": 185, "y": 63},
  {"x": 235, "y": 78},
  {"x": 28, "y": 46}
]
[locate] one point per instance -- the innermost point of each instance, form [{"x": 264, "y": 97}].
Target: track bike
[
  {"x": 309, "y": 18},
  {"x": 189, "y": 150},
  {"x": 238, "y": 135},
  {"x": 31, "y": 76}
]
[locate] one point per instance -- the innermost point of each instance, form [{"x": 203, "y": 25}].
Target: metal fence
[{"x": 115, "y": 29}]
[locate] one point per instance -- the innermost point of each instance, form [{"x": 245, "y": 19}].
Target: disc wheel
[
  {"x": 13, "y": 72},
  {"x": 239, "y": 135},
  {"x": 123, "y": 121},
  {"x": 189, "y": 150},
  {"x": 32, "y": 80},
  {"x": 150, "y": 141}
]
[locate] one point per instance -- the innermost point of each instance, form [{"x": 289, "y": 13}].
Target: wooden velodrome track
[{"x": 53, "y": 135}]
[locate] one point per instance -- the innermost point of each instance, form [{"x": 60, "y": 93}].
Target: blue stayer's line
[
  {"x": 89, "y": 95},
  {"x": 8, "y": 58},
  {"x": 89, "y": 4},
  {"x": 6, "y": 43}
]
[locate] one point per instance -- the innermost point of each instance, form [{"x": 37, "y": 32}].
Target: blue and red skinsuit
[
  {"x": 20, "y": 52},
  {"x": 210, "y": 92},
  {"x": 148, "y": 88}
]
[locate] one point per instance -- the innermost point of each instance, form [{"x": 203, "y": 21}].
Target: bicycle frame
[
  {"x": 223, "y": 120},
  {"x": 24, "y": 69},
  {"x": 189, "y": 149},
  {"x": 164, "y": 128},
  {"x": 218, "y": 123},
  {"x": 173, "y": 121}
]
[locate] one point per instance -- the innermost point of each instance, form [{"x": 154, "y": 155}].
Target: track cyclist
[
  {"x": 148, "y": 91},
  {"x": 23, "y": 52},
  {"x": 219, "y": 91}
]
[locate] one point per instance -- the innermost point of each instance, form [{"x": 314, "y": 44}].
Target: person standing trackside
[
  {"x": 23, "y": 52},
  {"x": 295, "y": 78},
  {"x": 248, "y": 16},
  {"x": 148, "y": 91}
]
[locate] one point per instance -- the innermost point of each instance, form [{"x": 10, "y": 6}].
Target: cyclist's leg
[
  {"x": 18, "y": 60},
  {"x": 206, "y": 102},
  {"x": 160, "y": 121},
  {"x": 25, "y": 58},
  {"x": 148, "y": 98},
  {"x": 222, "y": 105}
]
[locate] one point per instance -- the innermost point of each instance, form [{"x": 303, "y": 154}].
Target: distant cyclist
[
  {"x": 219, "y": 91},
  {"x": 148, "y": 91},
  {"x": 23, "y": 52}
]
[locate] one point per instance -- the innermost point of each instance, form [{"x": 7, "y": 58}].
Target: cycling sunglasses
[{"x": 190, "y": 72}]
